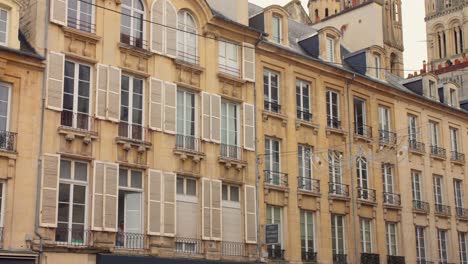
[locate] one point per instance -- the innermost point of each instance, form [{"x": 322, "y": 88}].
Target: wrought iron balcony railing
[
  {"x": 72, "y": 237},
  {"x": 421, "y": 206},
  {"x": 135, "y": 131},
  {"x": 7, "y": 141},
  {"x": 387, "y": 137},
  {"x": 233, "y": 248},
  {"x": 339, "y": 258},
  {"x": 370, "y": 258},
  {"x": 81, "y": 24},
  {"x": 362, "y": 130},
  {"x": 309, "y": 256},
  {"x": 308, "y": 184},
  {"x": 230, "y": 152},
  {"x": 188, "y": 245},
  {"x": 442, "y": 209},
  {"x": 333, "y": 122},
  {"x": 276, "y": 252},
  {"x": 229, "y": 70},
  {"x": 392, "y": 199},
  {"x": 395, "y": 260},
  {"x": 416, "y": 146},
  {"x": 338, "y": 189},
  {"x": 276, "y": 178},
  {"x": 423, "y": 261},
  {"x": 79, "y": 121},
  {"x": 457, "y": 156},
  {"x": 274, "y": 107},
  {"x": 188, "y": 143},
  {"x": 366, "y": 194},
  {"x": 461, "y": 212},
  {"x": 130, "y": 240},
  {"x": 304, "y": 114},
  {"x": 438, "y": 152},
  {"x": 134, "y": 41},
  {"x": 188, "y": 57}
]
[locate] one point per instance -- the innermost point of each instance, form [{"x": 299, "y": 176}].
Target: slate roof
[{"x": 25, "y": 48}]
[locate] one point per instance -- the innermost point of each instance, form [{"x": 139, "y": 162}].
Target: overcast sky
[{"x": 414, "y": 30}]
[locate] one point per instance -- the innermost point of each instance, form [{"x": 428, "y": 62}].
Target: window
[
  {"x": 305, "y": 167},
  {"x": 416, "y": 185},
  {"x": 272, "y": 161},
  {"x": 186, "y": 120},
  {"x": 273, "y": 215},
  {"x": 448, "y": 3},
  {"x": 420, "y": 244},
  {"x": 442, "y": 241},
  {"x": 307, "y": 235},
  {"x": 388, "y": 185},
  {"x": 230, "y": 193},
  {"x": 76, "y": 96},
  {"x": 454, "y": 140},
  {"x": 5, "y": 98},
  {"x": 187, "y": 47},
  {"x": 335, "y": 172},
  {"x": 80, "y": 15},
  {"x": 453, "y": 98},
  {"x": 396, "y": 12},
  {"x": 432, "y": 90},
  {"x": 363, "y": 182},
  {"x": 4, "y": 26},
  {"x": 229, "y": 58},
  {"x": 326, "y": 12},
  {"x": 434, "y": 133},
  {"x": 360, "y": 121},
  {"x": 230, "y": 130},
  {"x": 377, "y": 65},
  {"x": 463, "y": 246},
  {"x": 186, "y": 186},
  {"x": 131, "y": 108},
  {"x": 438, "y": 187},
  {"x": 458, "y": 192},
  {"x": 338, "y": 234},
  {"x": 384, "y": 124},
  {"x": 71, "y": 221},
  {"x": 271, "y": 91},
  {"x": 366, "y": 235},
  {"x": 277, "y": 28},
  {"x": 131, "y": 25},
  {"x": 392, "y": 238},
  {"x": 413, "y": 131},
  {"x": 333, "y": 115},
  {"x": 331, "y": 49},
  {"x": 303, "y": 100}
]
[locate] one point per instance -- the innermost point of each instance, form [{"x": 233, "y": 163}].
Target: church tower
[
  {"x": 393, "y": 35},
  {"x": 320, "y": 9}
]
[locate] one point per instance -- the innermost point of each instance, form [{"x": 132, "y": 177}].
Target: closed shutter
[
  {"x": 169, "y": 221},
  {"x": 250, "y": 214},
  {"x": 111, "y": 193},
  {"x": 171, "y": 30},
  {"x": 113, "y": 94},
  {"x": 206, "y": 116},
  {"x": 216, "y": 217},
  {"x": 58, "y": 12},
  {"x": 55, "y": 75},
  {"x": 156, "y": 104},
  {"x": 98, "y": 196},
  {"x": 154, "y": 200},
  {"x": 215, "y": 118},
  {"x": 157, "y": 28},
  {"x": 170, "y": 104},
  {"x": 101, "y": 91},
  {"x": 248, "y": 60},
  {"x": 50, "y": 175},
  {"x": 249, "y": 126},
  {"x": 206, "y": 211}
]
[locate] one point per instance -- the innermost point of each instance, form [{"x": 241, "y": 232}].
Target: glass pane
[
  {"x": 81, "y": 171},
  {"x": 78, "y": 213},
  {"x": 65, "y": 169},
  {"x": 234, "y": 193},
  {"x": 77, "y": 234},
  {"x": 123, "y": 177},
  {"x": 225, "y": 192},
  {"x": 63, "y": 211},
  {"x": 180, "y": 185},
  {"x": 136, "y": 180},
  {"x": 191, "y": 187},
  {"x": 79, "y": 194}
]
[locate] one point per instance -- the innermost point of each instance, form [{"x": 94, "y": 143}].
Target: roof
[
  {"x": 347, "y": 10},
  {"x": 25, "y": 48}
]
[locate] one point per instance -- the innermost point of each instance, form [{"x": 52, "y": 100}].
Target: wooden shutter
[
  {"x": 249, "y": 126},
  {"x": 248, "y": 62},
  {"x": 157, "y": 28},
  {"x": 111, "y": 194},
  {"x": 55, "y": 75},
  {"x": 216, "y": 216},
  {"x": 206, "y": 209},
  {"x": 206, "y": 116},
  {"x": 250, "y": 214},
  {"x": 154, "y": 202},
  {"x": 98, "y": 196},
  {"x": 113, "y": 94},
  {"x": 171, "y": 30},
  {"x": 156, "y": 104},
  {"x": 170, "y": 107},
  {"x": 101, "y": 91},
  {"x": 215, "y": 118},
  {"x": 169, "y": 221},
  {"x": 59, "y": 12},
  {"x": 49, "y": 191}
]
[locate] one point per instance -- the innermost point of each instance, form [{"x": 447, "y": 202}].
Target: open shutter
[
  {"x": 154, "y": 202},
  {"x": 55, "y": 75},
  {"x": 215, "y": 118},
  {"x": 156, "y": 104},
  {"x": 248, "y": 60},
  {"x": 169, "y": 221},
  {"x": 111, "y": 194},
  {"x": 98, "y": 196},
  {"x": 170, "y": 105},
  {"x": 113, "y": 94},
  {"x": 157, "y": 28},
  {"x": 249, "y": 126},
  {"x": 49, "y": 183},
  {"x": 206, "y": 116},
  {"x": 206, "y": 209},
  {"x": 58, "y": 12},
  {"x": 250, "y": 214},
  {"x": 101, "y": 91},
  {"x": 216, "y": 216},
  {"x": 171, "y": 30}
]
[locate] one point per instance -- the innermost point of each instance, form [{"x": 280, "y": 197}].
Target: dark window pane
[
  {"x": 65, "y": 169},
  {"x": 78, "y": 213},
  {"x": 123, "y": 180},
  {"x": 63, "y": 211},
  {"x": 84, "y": 73},
  {"x": 79, "y": 194},
  {"x": 83, "y": 88},
  {"x": 136, "y": 180},
  {"x": 68, "y": 85},
  {"x": 69, "y": 69}
]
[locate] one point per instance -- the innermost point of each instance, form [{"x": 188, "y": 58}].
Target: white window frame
[
  {"x": 455, "y": 139},
  {"x": 416, "y": 185},
  {"x": 129, "y": 187},
  {"x": 309, "y": 217},
  {"x": 300, "y": 87},
  {"x": 392, "y": 238},
  {"x": 413, "y": 130},
  {"x": 463, "y": 247},
  {"x": 330, "y": 49},
  {"x": 186, "y": 94},
  {"x": 7, "y": 22},
  {"x": 277, "y": 29},
  {"x": 432, "y": 90},
  {"x": 134, "y": 11},
  {"x": 130, "y": 105},
  {"x": 228, "y": 189},
  {"x": 442, "y": 237},
  {"x": 269, "y": 156},
  {"x": 228, "y": 114},
  {"x": 184, "y": 192},
  {"x": 362, "y": 174},
  {"x": 268, "y": 96},
  {"x": 388, "y": 178},
  {"x": 331, "y": 115},
  {"x": 8, "y": 113},
  {"x": 366, "y": 230},
  {"x": 420, "y": 243},
  {"x": 335, "y": 219},
  {"x": 273, "y": 221},
  {"x": 360, "y": 123},
  {"x": 458, "y": 192},
  {"x": 227, "y": 64},
  {"x": 305, "y": 154},
  {"x": 434, "y": 133},
  {"x": 78, "y": 21},
  {"x": 377, "y": 66},
  {"x": 334, "y": 169},
  {"x": 184, "y": 33},
  {"x": 452, "y": 94},
  {"x": 385, "y": 123},
  {"x": 438, "y": 190}
]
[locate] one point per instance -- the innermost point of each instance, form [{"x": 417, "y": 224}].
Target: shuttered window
[
  {"x": 4, "y": 26},
  {"x": 232, "y": 219},
  {"x": 187, "y": 46},
  {"x": 131, "y": 108},
  {"x": 132, "y": 23},
  {"x": 55, "y": 80},
  {"x": 49, "y": 190},
  {"x": 187, "y": 208},
  {"x": 249, "y": 126},
  {"x": 81, "y": 15}
]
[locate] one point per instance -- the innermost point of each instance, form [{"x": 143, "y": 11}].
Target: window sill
[
  {"x": 196, "y": 68},
  {"x": 231, "y": 162},
  {"x": 267, "y": 114},
  {"x": 338, "y": 197},
  {"x": 231, "y": 78},
  {"x": 442, "y": 215},
  {"x": 308, "y": 124},
  {"x": 9, "y": 154},
  {"x": 367, "y": 202},
  {"x": 279, "y": 188},
  {"x": 392, "y": 206},
  {"x": 437, "y": 157},
  {"x": 141, "y": 144},
  {"x": 183, "y": 154},
  {"x": 63, "y": 130},
  {"x": 420, "y": 211},
  {"x": 338, "y": 131},
  {"x": 140, "y": 52},
  {"x": 91, "y": 37},
  {"x": 416, "y": 152},
  {"x": 308, "y": 193},
  {"x": 362, "y": 138},
  {"x": 458, "y": 162}
]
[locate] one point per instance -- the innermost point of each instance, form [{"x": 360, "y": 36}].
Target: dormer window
[
  {"x": 452, "y": 97},
  {"x": 377, "y": 65},
  {"x": 330, "y": 49},
  {"x": 432, "y": 89},
  {"x": 3, "y": 26},
  {"x": 276, "y": 23}
]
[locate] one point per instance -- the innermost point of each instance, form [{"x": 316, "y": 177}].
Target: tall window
[
  {"x": 305, "y": 167},
  {"x": 366, "y": 235},
  {"x": 71, "y": 222},
  {"x": 362, "y": 178},
  {"x": 187, "y": 48},
  {"x": 80, "y": 15},
  {"x": 416, "y": 185},
  {"x": 420, "y": 244},
  {"x": 463, "y": 247},
  {"x": 230, "y": 130},
  {"x": 272, "y": 161},
  {"x": 333, "y": 115},
  {"x": 377, "y": 65},
  {"x": 131, "y": 108},
  {"x": 413, "y": 133},
  {"x": 271, "y": 91},
  {"x": 3, "y": 26},
  {"x": 307, "y": 235},
  {"x": 432, "y": 89},
  {"x": 303, "y": 100},
  {"x": 396, "y": 12},
  {"x": 76, "y": 96},
  {"x": 186, "y": 120},
  {"x": 442, "y": 241},
  {"x": 5, "y": 99},
  {"x": 438, "y": 190},
  {"x": 229, "y": 62},
  {"x": 458, "y": 192},
  {"x": 187, "y": 208},
  {"x": 434, "y": 135},
  {"x": 392, "y": 238},
  {"x": 334, "y": 166},
  {"x": 273, "y": 215},
  {"x": 331, "y": 49},
  {"x": 360, "y": 119},
  {"x": 452, "y": 101},
  {"x": 454, "y": 140},
  {"x": 338, "y": 235},
  {"x": 131, "y": 24},
  {"x": 384, "y": 124},
  {"x": 277, "y": 28},
  {"x": 388, "y": 184}
]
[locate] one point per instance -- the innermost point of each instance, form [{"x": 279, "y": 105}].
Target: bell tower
[
  {"x": 320, "y": 9},
  {"x": 393, "y": 35}
]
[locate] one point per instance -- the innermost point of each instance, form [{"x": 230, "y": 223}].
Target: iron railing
[
  {"x": 366, "y": 194},
  {"x": 276, "y": 178},
  {"x": 229, "y": 70},
  {"x": 188, "y": 57},
  {"x": 423, "y": 261},
  {"x": 229, "y": 248},
  {"x": 391, "y": 198},
  {"x": 308, "y": 184},
  {"x": 79, "y": 121},
  {"x": 309, "y": 256},
  {"x": 333, "y": 122},
  {"x": 362, "y": 130},
  {"x": 130, "y": 240},
  {"x": 304, "y": 115},
  {"x": 442, "y": 209},
  {"x": 274, "y": 107},
  {"x": 188, "y": 245},
  {"x": 370, "y": 258},
  {"x": 338, "y": 189},
  {"x": 416, "y": 146},
  {"x": 188, "y": 143},
  {"x": 8, "y": 140},
  {"x": 461, "y": 212},
  {"x": 339, "y": 258},
  {"x": 230, "y": 152},
  {"x": 395, "y": 260},
  {"x": 458, "y": 157},
  {"x": 81, "y": 24},
  {"x": 73, "y": 237},
  {"x": 133, "y": 131},
  {"x": 438, "y": 152},
  {"x": 276, "y": 252},
  {"x": 421, "y": 206},
  {"x": 387, "y": 137},
  {"x": 133, "y": 41}
]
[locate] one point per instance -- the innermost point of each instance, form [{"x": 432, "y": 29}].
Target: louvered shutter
[
  {"x": 171, "y": 30},
  {"x": 111, "y": 194},
  {"x": 59, "y": 12},
  {"x": 49, "y": 191},
  {"x": 113, "y": 94},
  {"x": 101, "y": 91},
  {"x": 248, "y": 62},
  {"x": 55, "y": 75},
  {"x": 98, "y": 196},
  {"x": 157, "y": 29},
  {"x": 154, "y": 202},
  {"x": 206, "y": 116},
  {"x": 206, "y": 209},
  {"x": 156, "y": 104},
  {"x": 170, "y": 105},
  {"x": 169, "y": 221},
  {"x": 216, "y": 217},
  {"x": 250, "y": 214},
  {"x": 249, "y": 126},
  {"x": 215, "y": 118}
]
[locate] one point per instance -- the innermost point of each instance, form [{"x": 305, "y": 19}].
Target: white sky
[{"x": 414, "y": 30}]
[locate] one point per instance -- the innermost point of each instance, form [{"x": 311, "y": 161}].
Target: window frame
[
  {"x": 362, "y": 172},
  {"x": 9, "y": 102},
  {"x": 389, "y": 187},
  {"x": 229, "y": 67},
  {"x": 268, "y": 96},
  {"x": 273, "y": 220},
  {"x": 442, "y": 237},
  {"x": 392, "y": 244},
  {"x": 458, "y": 192},
  {"x": 302, "y": 161},
  {"x": 360, "y": 122},
  {"x": 385, "y": 120},
  {"x": 129, "y": 186},
  {"x": 186, "y": 93},
  {"x": 184, "y": 192},
  {"x": 184, "y": 36},
  {"x": 434, "y": 133},
  {"x": 269, "y": 153},
  {"x": 237, "y": 126},
  {"x": 420, "y": 234},
  {"x": 331, "y": 115},
  {"x": 7, "y": 26},
  {"x": 413, "y": 130},
  {"x": 331, "y": 49},
  {"x": 78, "y": 19},
  {"x": 132, "y": 17},
  {"x": 377, "y": 65},
  {"x": 335, "y": 232},
  {"x": 366, "y": 230},
  {"x": 463, "y": 247},
  {"x": 131, "y": 94},
  {"x": 335, "y": 170},
  {"x": 229, "y": 188},
  {"x": 300, "y": 86},
  {"x": 438, "y": 190},
  {"x": 278, "y": 27},
  {"x": 416, "y": 185},
  {"x": 455, "y": 139},
  {"x": 304, "y": 214}
]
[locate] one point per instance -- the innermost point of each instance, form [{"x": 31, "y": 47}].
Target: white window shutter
[
  {"x": 55, "y": 76},
  {"x": 250, "y": 214},
  {"x": 156, "y": 104},
  {"x": 59, "y": 12},
  {"x": 170, "y": 107},
  {"x": 249, "y": 126},
  {"x": 101, "y": 90},
  {"x": 111, "y": 195},
  {"x": 206, "y": 209},
  {"x": 156, "y": 27},
  {"x": 154, "y": 202},
  {"x": 49, "y": 190},
  {"x": 206, "y": 116},
  {"x": 113, "y": 94},
  {"x": 216, "y": 212},
  {"x": 248, "y": 60},
  {"x": 169, "y": 220},
  {"x": 97, "y": 219},
  {"x": 215, "y": 118},
  {"x": 171, "y": 29}
]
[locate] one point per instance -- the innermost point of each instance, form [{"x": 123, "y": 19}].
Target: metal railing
[
  {"x": 370, "y": 258},
  {"x": 308, "y": 184},
  {"x": 339, "y": 258},
  {"x": 72, "y": 237},
  {"x": 130, "y": 240},
  {"x": 423, "y": 261},
  {"x": 272, "y": 106},
  {"x": 8, "y": 140},
  {"x": 133, "y": 41},
  {"x": 438, "y": 151},
  {"x": 232, "y": 248},
  {"x": 366, "y": 194},
  {"x": 457, "y": 156},
  {"x": 131, "y": 131},
  {"x": 276, "y": 178},
  {"x": 308, "y": 256},
  {"x": 230, "y": 152},
  {"x": 362, "y": 130},
  {"x": 80, "y": 121},
  {"x": 387, "y": 137},
  {"x": 442, "y": 209},
  {"x": 421, "y": 206},
  {"x": 304, "y": 115},
  {"x": 188, "y": 245},
  {"x": 229, "y": 70},
  {"x": 188, "y": 57},
  {"x": 188, "y": 143},
  {"x": 417, "y": 146},
  {"x": 395, "y": 260},
  {"x": 338, "y": 189},
  {"x": 461, "y": 212},
  {"x": 81, "y": 25},
  {"x": 276, "y": 252},
  {"x": 391, "y": 198},
  {"x": 333, "y": 122}
]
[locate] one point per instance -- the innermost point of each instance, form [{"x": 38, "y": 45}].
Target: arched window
[
  {"x": 439, "y": 45},
  {"x": 457, "y": 39},
  {"x": 187, "y": 48},
  {"x": 80, "y": 15},
  {"x": 131, "y": 24}
]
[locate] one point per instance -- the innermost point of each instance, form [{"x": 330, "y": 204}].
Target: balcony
[
  {"x": 230, "y": 152},
  {"x": 308, "y": 185},
  {"x": 363, "y": 131},
  {"x": 276, "y": 178},
  {"x": 229, "y": 71},
  {"x": 387, "y": 137},
  {"x": 127, "y": 240},
  {"x": 416, "y": 146},
  {"x": 304, "y": 115},
  {"x": 188, "y": 143},
  {"x": 77, "y": 121},
  {"x": 188, "y": 245},
  {"x": 73, "y": 237},
  {"x": 310, "y": 257},
  {"x": 395, "y": 260},
  {"x": 188, "y": 57},
  {"x": 8, "y": 141},
  {"x": 339, "y": 259},
  {"x": 81, "y": 24},
  {"x": 458, "y": 157},
  {"x": 438, "y": 152},
  {"x": 139, "y": 42},
  {"x": 421, "y": 206},
  {"x": 333, "y": 122},
  {"x": 461, "y": 212},
  {"x": 338, "y": 189},
  {"x": 233, "y": 249},
  {"x": 276, "y": 252},
  {"x": 392, "y": 199},
  {"x": 369, "y": 258},
  {"x": 366, "y": 195},
  {"x": 272, "y": 106},
  {"x": 443, "y": 210}
]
